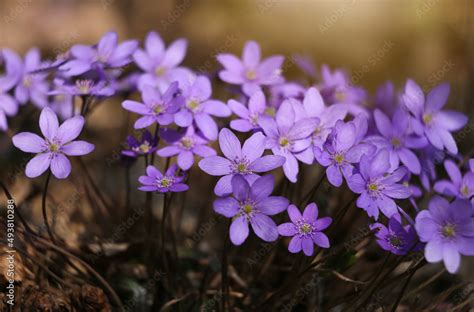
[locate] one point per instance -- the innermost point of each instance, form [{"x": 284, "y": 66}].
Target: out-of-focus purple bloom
[
  {"x": 396, "y": 238},
  {"x": 249, "y": 116},
  {"x": 251, "y": 203},
  {"x": 32, "y": 86},
  {"x": 288, "y": 137},
  {"x": 344, "y": 149},
  {"x": 156, "y": 107},
  {"x": 251, "y": 72},
  {"x": 378, "y": 186},
  {"x": 83, "y": 87},
  {"x": 160, "y": 64},
  {"x": 106, "y": 54},
  {"x": 12, "y": 73},
  {"x": 306, "y": 229},
  {"x": 429, "y": 156},
  {"x": 155, "y": 181},
  {"x": 282, "y": 92},
  {"x": 243, "y": 160},
  {"x": 395, "y": 138},
  {"x": 459, "y": 186},
  {"x": 429, "y": 119},
  {"x": 199, "y": 107},
  {"x": 58, "y": 143},
  {"x": 306, "y": 64},
  {"x": 386, "y": 99},
  {"x": 448, "y": 230},
  {"x": 147, "y": 145},
  {"x": 186, "y": 147}
]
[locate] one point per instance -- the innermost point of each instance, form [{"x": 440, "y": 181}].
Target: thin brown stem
[{"x": 43, "y": 208}]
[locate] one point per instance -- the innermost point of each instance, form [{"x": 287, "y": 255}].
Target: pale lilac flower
[
  {"x": 160, "y": 64},
  {"x": 448, "y": 230},
  {"x": 58, "y": 143},
  {"x": 378, "y": 186},
  {"x": 155, "y": 181},
  {"x": 429, "y": 119},
  {"x": 199, "y": 107},
  {"x": 459, "y": 186},
  {"x": 186, "y": 147},
  {"x": 251, "y": 203},
  {"x": 249, "y": 116},
  {"x": 306, "y": 229},
  {"x": 108, "y": 53},
  {"x": 32, "y": 86},
  {"x": 246, "y": 160},
  {"x": 83, "y": 87},
  {"x": 282, "y": 92},
  {"x": 288, "y": 137},
  {"x": 386, "y": 99},
  {"x": 251, "y": 72},
  {"x": 157, "y": 108},
  {"x": 13, "y": 69}
]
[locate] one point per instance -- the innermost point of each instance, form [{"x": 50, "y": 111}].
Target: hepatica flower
[
  {"x": 248, "y": 116},
  {"x": 448, "y": 230},
  {"x": 459, "y": 186},
  {"x": 396, "y": 238},
  {"x": 251, "y": 203},
  {"x": 108, "y": 53},
  {"x": 155, "y": 181},
  {"x": 306, "y": 229},
  {"x": 12, "y": 67},
  {"x": 186, "y": 147},
  {"x": 429, "y": 119},
  {"x": 146, "y": 145},
  {"x": 156, "y": 107},
  {"x": 83, "y": 87},
  {"x": 198, "y": 107},
  {"x": 395, "y": 138},
  {"x": 32, "y": 86},
  {"x": 246, "y": 160},
  {"x": 287, "y": 137},
  {"x": 58, "y": 143},
  {"x": 378, "y": 186},
  {"x": 251, "y": 72}
]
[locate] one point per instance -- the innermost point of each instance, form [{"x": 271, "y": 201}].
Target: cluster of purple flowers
[{"x": 379, "y": 150}]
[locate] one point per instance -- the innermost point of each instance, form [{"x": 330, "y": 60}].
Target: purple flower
[
  {"x": 396, "y": 238},
  {"x": 58, "y": 143},
  {"x": 395, "y": 138},
  {"x": 344, "y": 149},
  {"x": 13, "y": 69},
  {"x": 248, "y": 116},
  {"x": 306, "y": 229},
  {"x": 429, "y": 119},
  {"x": 160, "y": 64},
  {"x": 83, "y": 87},
  {"x": 448, "y": 230},
  {"x": 198, "y": 107},
  {"x": 106, "y": 54},
  {"x": 245, "y": 160},
  {"x": 459, "y": 186},
  {"x": 32, "y": 86},
  {"x": 288, "y": 137},
  {"x": 251, "y": 203},
  {"x": 156, "y": 107},
  {"x": 250, "y": 72},
  {"x": 378, "y": 186},
  {"x": 145, "y": 146},
  {"x": 386, "y": 99},
  {"x": 186, "y": 147},
  {"x": 155, "y": 181}
]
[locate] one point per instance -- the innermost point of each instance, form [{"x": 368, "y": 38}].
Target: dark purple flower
[
  {"x": 186, "y": 147},
  {"x": 251, "y": 72},
  {"x": 156, "y": 108},
  {"x": 396, "y": 139},
  {"x": 246, "y": 160},
  {"x": 155, "y": 181},
  {"x": 199, "y": 107},
  {"x": 249, "y": 116},
  {"x": 344, "y": 149},
  {"x": 396, "y": 238},
  {"x": 448, "y": 230},
  {"x": 58, "y": 143},
  {"x": 106, "y": 54},
  {"x": 306, "y": 229},
  {"x": 251, "y": 203},
  {"x": 429, "y": 119},
  {"x": 378, "y": 186},
  {"x": 147, "y": 145},
  {"x": 288, "y": 137},
  {"x": 160, "y": 64},
  {"x": 459, "y": 186}
]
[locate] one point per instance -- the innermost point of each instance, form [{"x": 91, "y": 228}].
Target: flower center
[
  {"x": 254, "y": 119},
  {"x": 192, "y": 104},
  {"x": 448, "y": 231},
  {"x": 84, "y": 86},
  {"x": 373, "y": 187},
  {"x": 340, "y": 96},
  {"x": 395, "y": 241},
  {"x": 27, "y": 81},
  {"x": 250, "y": 74},
  {"x": 396, "y": 142},
  {"x": 305, "y": 228},
  {"x": 145, "y": 147},
  {"x": 465, "y": 190},
  {"x": 270, "y": 111},
  {"x": 53, "y": 147},
  {"x": 339, "y": 158},
  {"x": 427, "y": 118},
  {"x": 284, "y": 142},
  {"x": 187, "y": 142},
  {"x": 158, "y": 109},
  {"x": 160, "y": 71},
  {"x": 247, "y": 208},
  {"x": 165, "y": 182},
  {"x": 241, "y": 166}
]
